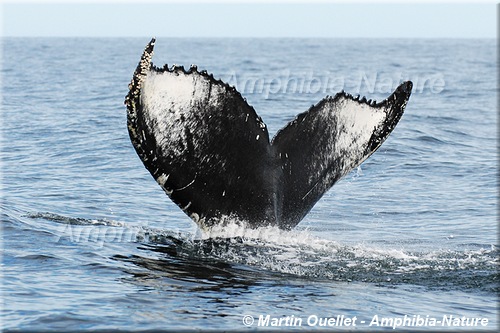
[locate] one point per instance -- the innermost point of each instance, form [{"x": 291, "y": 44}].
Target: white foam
[{"x": 231, "y": 227}]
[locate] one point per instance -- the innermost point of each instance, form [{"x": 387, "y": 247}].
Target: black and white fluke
[{"x": 210, "y": 151}]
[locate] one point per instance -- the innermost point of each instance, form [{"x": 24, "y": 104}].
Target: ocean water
[{"x": 91, "y": 242}]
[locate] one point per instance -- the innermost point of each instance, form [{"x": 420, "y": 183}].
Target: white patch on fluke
[
  {"x": 168, "y": 99},
  {"x": 358, "y": 121},
  {"x": 355, "y": 125}
]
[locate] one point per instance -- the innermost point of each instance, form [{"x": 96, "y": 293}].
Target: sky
[{"x": 249, "y": 19}]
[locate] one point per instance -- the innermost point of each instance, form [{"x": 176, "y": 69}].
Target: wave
[
  {"x": 300, "y": 254},
  {"x": 72, "y": 220}
]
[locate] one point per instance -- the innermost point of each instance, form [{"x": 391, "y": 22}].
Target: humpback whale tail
[{"x": 210, "y": 152}]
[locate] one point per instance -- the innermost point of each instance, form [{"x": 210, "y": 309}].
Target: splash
[{"x": 302, "y": 254}]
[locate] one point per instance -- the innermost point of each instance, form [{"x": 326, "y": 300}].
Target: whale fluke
[{"x": 210, "y": 151}]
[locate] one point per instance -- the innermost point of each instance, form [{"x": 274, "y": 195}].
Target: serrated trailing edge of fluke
[
  {"x": 146, "y": 65},
  {"x": 358, "y": 98},
  {"x": 373, "y": 103},
  {"x": 194, "y": 69}
]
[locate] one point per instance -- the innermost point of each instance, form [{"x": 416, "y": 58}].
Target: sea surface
[{"x": 91, "y": 242}]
